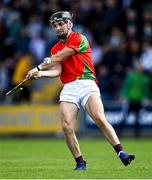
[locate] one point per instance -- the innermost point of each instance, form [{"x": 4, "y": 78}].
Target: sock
[
  {"x": 79, "y": 159},
  {"x": 118, "y": 148}
]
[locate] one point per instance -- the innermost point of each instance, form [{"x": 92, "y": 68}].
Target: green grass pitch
[{"x": 50, "y": 159}]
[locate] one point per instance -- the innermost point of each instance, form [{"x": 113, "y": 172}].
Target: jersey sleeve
[
  {"x": 53, "y": 50},
  {"x": 79, "y": 43}
]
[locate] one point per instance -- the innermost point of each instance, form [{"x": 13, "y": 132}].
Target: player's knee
[
  {"x": 100, "y": 120},
  {"x": 66, "y": 126},
  {"x": 67, "y": 130}
]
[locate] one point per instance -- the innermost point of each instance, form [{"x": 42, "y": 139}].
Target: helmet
[{"x": 60, "y": 16}]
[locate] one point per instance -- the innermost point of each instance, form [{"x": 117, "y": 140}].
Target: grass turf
[{"x": 50, "y": 159}]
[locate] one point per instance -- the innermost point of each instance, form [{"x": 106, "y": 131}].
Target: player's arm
[
  {"x": 54, "y": 71},
  {"x": 60, "y": 56},
  {"x": 47, "y": 63}
]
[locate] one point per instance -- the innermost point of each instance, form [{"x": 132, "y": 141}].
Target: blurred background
[{"x": 120, "y": 34}]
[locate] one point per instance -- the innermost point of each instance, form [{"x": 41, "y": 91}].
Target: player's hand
[
  {"x": 37, "y": 74},
  {"x": 31, "y": 73}
]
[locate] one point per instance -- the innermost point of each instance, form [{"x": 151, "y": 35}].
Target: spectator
[
  {"x": 34, "y": 26},
  {"x": 105, "y": 81},
  {"x": 112, "y": 14},
  {"x": 25, "y": 62},
  {"x": 16, "y": 28},
  {"x": 147, "y": 30},
  {"x": 97, "y": 53},
  {"x": 146, "y": 56},
  {"x": 3, "y": 80},
  {"x": 25, "y": 39},
  {"x": 116, "y": 38},
  {"x": 37, "y": 46},
  {"x": 135, "y": 89}
]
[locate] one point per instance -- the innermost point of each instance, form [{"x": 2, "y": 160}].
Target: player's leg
[
  {"x": 68, "y": 113},
  {"x": 95, "y": 109}
]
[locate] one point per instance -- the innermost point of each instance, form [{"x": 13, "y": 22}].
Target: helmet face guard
[{"x": 60, "y": 16}]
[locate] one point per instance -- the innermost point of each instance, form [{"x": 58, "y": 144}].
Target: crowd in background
[{"x": 119, "y": 31}]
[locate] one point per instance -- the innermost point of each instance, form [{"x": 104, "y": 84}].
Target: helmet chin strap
[{"x": 62, "y": 36}]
